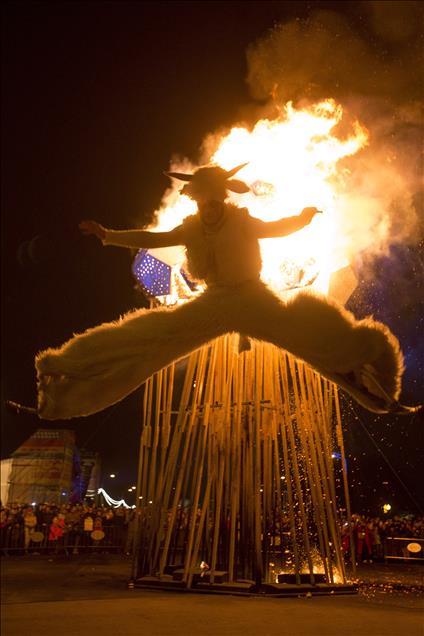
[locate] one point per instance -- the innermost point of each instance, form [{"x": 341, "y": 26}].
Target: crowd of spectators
[
  {"x": 70, "y": 528},
  {"x": 74, "y": 528},
  {"x": 375, "y": 538}
]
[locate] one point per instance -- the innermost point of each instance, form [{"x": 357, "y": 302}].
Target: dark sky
[{"x": 96, "y": 99}]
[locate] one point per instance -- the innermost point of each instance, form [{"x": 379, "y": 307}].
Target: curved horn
[
  {"x": 179, "y": 175},
  {"x": 232, "y": 172}
]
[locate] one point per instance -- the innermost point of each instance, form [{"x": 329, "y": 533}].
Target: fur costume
[{"x": 101, "y": 366}]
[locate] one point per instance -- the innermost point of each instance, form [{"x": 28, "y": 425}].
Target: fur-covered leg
[
  {"x": 363, "y": 356},
  {"x": 101, "y": 366},
  {"x": 98, "y": 368}
]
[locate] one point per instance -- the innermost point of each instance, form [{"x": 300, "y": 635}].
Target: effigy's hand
[
  {"x": 309, "y": 213},
  {"x": 89, "y": 227}
]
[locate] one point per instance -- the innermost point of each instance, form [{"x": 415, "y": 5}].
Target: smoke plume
[{"x": 373, "y": 71}]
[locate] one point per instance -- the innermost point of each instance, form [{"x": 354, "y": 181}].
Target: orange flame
[{"x": 292, "y": 164}]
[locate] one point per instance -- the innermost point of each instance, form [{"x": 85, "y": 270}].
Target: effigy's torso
[{"x": 230, "y": 255}]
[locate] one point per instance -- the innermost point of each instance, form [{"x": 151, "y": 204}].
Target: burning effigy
[{"x": 255, "y": 270}]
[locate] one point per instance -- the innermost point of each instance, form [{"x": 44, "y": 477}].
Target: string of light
[{"x": 113, "y": 502}]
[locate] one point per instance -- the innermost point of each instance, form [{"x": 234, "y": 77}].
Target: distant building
[
  {"x": 48, "y": 467},
  {"x": 90, "y": 474}
]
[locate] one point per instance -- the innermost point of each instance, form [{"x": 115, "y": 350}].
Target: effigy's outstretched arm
[
  {"x": 284, "y": 226},
  {"x": 133, "y": 238}
]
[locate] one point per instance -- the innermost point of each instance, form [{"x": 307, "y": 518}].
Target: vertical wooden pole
[
  {"x": 243, "y": 422},
  {"x": 340, "y": 441}
]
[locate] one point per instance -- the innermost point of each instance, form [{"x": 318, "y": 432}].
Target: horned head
[{"x": 211, "y": 180}]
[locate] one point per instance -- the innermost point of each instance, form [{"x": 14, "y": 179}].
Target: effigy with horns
[{"x": 101, "y": 366}]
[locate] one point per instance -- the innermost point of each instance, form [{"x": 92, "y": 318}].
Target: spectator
[
  {"x": 30, "y": 521},
  {"x": 71, "y": 525},
  {"x": 57, "y": 527}
]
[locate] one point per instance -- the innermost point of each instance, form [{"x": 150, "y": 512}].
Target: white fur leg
[
  {"x": 329, "y": 338},
  {"x": 95, "y": 369},
  {"x": 101, "y": 366}
]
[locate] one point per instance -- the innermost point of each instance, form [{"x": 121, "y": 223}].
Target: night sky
[{"x": 97, "y": 97}]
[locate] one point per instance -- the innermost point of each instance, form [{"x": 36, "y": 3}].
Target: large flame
[{"x": 292, "y": 163}]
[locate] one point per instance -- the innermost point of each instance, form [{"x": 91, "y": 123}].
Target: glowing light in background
[
  {"x": 413, "y": 547},
  {"x": 153, "y": 275},
  {"x": 113, "y": 502}
]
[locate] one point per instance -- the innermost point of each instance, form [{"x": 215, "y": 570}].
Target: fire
[
  {"x": 317, "y": 567},
  {"x": 292, "y": 163}
]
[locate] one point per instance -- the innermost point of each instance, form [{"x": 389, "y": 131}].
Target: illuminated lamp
[
  {"x": 160, "y": 274},
  {"x": 152, "y": 274},
  {"x": 414, "y": 547}
]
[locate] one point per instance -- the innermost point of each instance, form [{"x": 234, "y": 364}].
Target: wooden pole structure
[{"x": 237, "y": 464}]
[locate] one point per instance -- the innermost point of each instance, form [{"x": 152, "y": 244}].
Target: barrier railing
[
  {"x": 402, "y": 548},
  {"x": 18, "y": 539}
]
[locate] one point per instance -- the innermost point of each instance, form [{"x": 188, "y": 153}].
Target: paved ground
[{"x": 80, "y": 596}]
